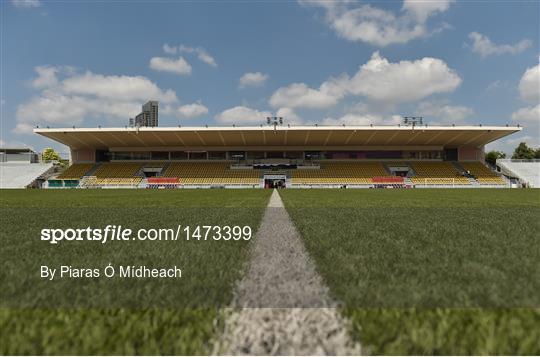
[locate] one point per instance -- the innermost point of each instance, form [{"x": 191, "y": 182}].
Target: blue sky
[{"x": 87, "y": 63}]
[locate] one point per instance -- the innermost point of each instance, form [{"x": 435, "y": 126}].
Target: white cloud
[
  {"x": 53, "y": 108},
  {"x": 179, "y": 66},
  {"x": 121, "y": 88},
  {"x": 289, "y": 116},
  {"x": 379, "y": 80},
  {"x": 363, "y": 119},
  {"x": 498, "y": 85},
  {"x": 494, "y": 85},
  {"x": 74, "y": 97},
  {"x": 527, "y": 116},
  {"x": 26, "y": 3},
  {"x": 201, "y": 53},
  {"x": 482, "y": 45},
  {"x": 170, "y": 50},
  {"x": 508, "y": 145},
  {"x": 381, "y": 27},
  {"x": 253, "y": 79},
  {"x": 23, "y": 128},
  {"x": 242, "y": 115},
  {"x": 529, "y": 91},
  {"x": 192, "y": 110},
  {"x": 14, "y": 144},
  {"x": 185, "y": 49},
  {"x": 403, "y": 81},
  {"x": 529, "y": 85},
  {"x": 375, "y": 26},
  {"x": 46, "y": 77},
  {"x": 59, "y": 109},
  {"x": 325, "y": 3},
  {"x": 206, "y": 58},
  {"x": 531, "y": 141},
  {"x": 299, "y": 95},
  {"x": 443, "y": 113},
  {"x": 422, "y": 10}
]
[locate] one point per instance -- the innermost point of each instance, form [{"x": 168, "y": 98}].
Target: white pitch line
[{"x": 284, "y": 306}]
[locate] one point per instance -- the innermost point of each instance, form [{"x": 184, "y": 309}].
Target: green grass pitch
[
  {"x": 418, "y": 271},
  {"x": 429, "y": 271},
  {"x": 88, "y": 317}
]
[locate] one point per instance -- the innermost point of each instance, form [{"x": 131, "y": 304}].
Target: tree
[
  {"x": 523, "y": 152},
  {"x": 50, "y": 155},
  {"x": 537, "y": 153},
  {"x": 492, "y": 156}
]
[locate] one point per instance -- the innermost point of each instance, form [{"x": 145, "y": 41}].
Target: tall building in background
[
  {"x": 151, "y": 108},
  {"x": 148, "y": 116}
]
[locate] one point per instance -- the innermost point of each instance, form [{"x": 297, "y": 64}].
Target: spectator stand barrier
[{"x": 163, "y": 182}]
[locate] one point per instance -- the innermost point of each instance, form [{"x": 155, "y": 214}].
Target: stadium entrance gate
[{"x": 275, "y": 181}]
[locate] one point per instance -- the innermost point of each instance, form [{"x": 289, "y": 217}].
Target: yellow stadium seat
[
  {"x": 115, "y": 174},
  {"x": 437, "y": 173},
  {"x": 483, "y": 174},
  {"x": 339, "y": 173},
  {"x": 211, "y": 173},
  {"x": 75, "y": 171}
]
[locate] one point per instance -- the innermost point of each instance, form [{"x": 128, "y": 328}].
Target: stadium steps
[
  {"x": 472, "y": 181},
  {"x": 86, "y": 180},
  {"x": 412, "y": 172},
  {"x": 140, "y": 172},
  {"x": 93, "y": 169},
  {"x": 37, "y": 183},
  {"x": 386, "y": 168},
  {"x": 483, "y": 174},
  {"x": 458, "y": 166},
  {"x": 165, "y": 167},
  {"x": 528, "y": 172},
  {"x": 53, "y": 171}
]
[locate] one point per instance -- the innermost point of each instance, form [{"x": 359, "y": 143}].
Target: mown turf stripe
[{"x": 284, "y": 307}]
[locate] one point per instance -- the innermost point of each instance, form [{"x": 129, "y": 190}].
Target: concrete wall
[
  {"x": 470, "y": 153},
  {"x": 83, "y": 155},
  {"x": 23, "y": 157}
]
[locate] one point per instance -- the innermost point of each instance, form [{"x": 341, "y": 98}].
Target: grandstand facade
[{"x": 282, "y": 156}]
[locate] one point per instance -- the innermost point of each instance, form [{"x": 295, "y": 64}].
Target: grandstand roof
[{"x": 329, "y": 137}]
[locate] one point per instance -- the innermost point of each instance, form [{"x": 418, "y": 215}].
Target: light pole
[
  {"x": 275, "y": 121},
  {"x": 412, "y": 121}
]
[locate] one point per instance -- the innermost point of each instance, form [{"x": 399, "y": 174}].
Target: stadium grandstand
[{"x": 278, "y": 156}]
